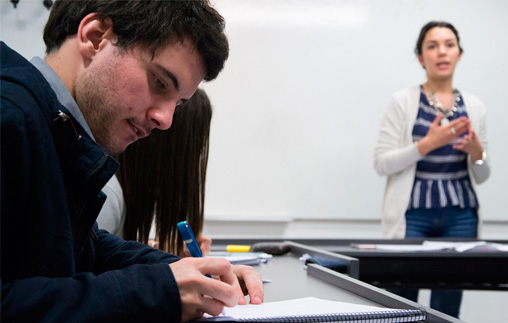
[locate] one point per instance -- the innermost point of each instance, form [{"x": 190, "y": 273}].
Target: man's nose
[{"x": 161, "y": 117}]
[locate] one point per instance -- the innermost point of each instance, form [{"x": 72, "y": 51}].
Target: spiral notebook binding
[{"x": 362, "y": 317}]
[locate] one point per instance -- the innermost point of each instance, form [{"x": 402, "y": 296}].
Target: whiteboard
[{"x": 298, "y": 105}]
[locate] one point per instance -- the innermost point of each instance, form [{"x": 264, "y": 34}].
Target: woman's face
[{"x": 440, "y": 53}]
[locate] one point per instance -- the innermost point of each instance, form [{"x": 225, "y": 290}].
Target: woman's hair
[
  {"x": 163, "y": 176},
  {"x": 150, "y": 24},
  {"x": 429, "y": 26}
]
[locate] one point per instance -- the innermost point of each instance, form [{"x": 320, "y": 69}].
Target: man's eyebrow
[{"x": 169, "y": 75}]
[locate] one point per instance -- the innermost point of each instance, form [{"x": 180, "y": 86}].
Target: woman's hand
[
  {"x": 439, "y": 136},
  {"x": 470, "y": 144},
  {"x": 153, "y": 243},
  {"x": 205, "y": 244}
]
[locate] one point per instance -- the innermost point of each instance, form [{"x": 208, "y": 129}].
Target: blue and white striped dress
[{"x": 441, "y": 178}]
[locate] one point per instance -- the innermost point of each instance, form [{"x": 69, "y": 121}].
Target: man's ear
[{"x": 93, "y": 34}]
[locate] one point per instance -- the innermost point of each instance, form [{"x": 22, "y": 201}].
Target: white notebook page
[{"x": 300, "y": 306}]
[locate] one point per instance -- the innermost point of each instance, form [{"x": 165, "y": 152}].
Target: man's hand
[
  {"x": 251, "y": 284},
  {"x": 200, "y": 294}
]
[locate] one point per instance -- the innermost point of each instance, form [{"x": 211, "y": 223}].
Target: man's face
[{"x": 124, "y": 95}]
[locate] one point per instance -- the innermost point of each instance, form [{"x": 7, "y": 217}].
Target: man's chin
[
  {"x": 114, "y": 150},
  {"x": 117, "y": 148}
]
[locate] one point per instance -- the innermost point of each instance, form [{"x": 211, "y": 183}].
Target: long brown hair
[{"x": 163, "y": 176}]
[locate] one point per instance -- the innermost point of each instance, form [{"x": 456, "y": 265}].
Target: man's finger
[
  {"x": 252, "y": 282},
  {"x": 212, "y": 306},
  {"x": 223, "y": 290},
  {"x": 220, "y": 291}
]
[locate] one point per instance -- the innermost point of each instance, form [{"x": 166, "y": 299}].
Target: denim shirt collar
[{"x": 61, "y": 91}]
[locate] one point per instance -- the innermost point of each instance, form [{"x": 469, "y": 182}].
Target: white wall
[
  {"x": 297, "y": 108},
  {"x": 298, "y": 105},
  {"x": 22, "y": 28},
  {"x": 297, "y": 111}
]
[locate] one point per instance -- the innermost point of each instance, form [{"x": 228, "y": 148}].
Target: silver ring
[{"x": 452, "y": 129}]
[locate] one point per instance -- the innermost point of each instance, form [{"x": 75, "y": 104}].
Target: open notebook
[{"x": 312, "y": 309}]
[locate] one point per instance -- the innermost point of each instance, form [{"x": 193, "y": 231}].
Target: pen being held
[{"x": 248, "y": 281}]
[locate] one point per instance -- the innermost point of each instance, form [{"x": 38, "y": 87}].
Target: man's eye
[{"x": 158, "y": 83}]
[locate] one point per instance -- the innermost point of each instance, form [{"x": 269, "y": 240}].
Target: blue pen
[
  {"x": 192, "y": 243},
  {"x": 190, "y": 239}
]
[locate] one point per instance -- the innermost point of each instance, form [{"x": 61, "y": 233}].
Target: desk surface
[
  {"x": 291, "y": 280},
  {"x": 422, "y": 269}
]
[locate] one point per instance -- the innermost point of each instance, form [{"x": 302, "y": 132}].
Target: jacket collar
[
  {"x": 62, "y": 93},
  {"x": 71, "y": 140}
]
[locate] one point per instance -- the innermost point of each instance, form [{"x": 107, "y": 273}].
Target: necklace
[{"x": 436, "y": 104}]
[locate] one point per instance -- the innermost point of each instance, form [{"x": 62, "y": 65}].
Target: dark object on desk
[
  {"x": 478, "y": 268},
  {"x": 273, "y": 248},
  {"x": 290, "y": 280},
  {"x": 337, "y": 265}
]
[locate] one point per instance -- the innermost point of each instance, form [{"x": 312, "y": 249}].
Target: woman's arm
[
  {"x": 475, "y": 143},
  {"x": 392, "y": 154}
]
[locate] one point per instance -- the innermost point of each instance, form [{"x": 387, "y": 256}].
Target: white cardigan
[
  {"x": 396, "y": 154},
  {"x": 112, "y": 215}
]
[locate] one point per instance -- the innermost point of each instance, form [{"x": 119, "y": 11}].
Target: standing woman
[{"x": 432, "y": 146}]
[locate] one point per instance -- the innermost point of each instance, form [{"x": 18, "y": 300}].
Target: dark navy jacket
[{"x": 56, "y": 266}]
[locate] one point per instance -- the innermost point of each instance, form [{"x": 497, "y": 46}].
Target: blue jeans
[{"x": 449, "y": 222}]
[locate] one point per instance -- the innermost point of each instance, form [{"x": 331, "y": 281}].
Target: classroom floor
[{"x": 478, "y": 306}]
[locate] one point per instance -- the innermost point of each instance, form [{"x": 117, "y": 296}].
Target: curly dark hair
[{"x": 151, "y": 24}]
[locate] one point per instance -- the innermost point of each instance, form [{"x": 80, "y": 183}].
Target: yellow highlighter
[
  {"x": 237, "y": 248},
  {"x": 272, "y": 248}
]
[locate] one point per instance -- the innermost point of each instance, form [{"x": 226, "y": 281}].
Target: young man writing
[{"x": 115, "y": 70}]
